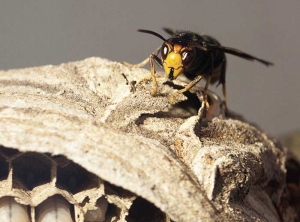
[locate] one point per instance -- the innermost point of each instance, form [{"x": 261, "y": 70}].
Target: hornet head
[{"x": 175, "y": 56}]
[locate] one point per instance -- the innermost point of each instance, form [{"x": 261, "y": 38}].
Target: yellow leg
[
  {"x": 151, "y": 59},
  {"x": 186, "y": 88},
  {"x": 204, "y": 103},
  {"x": 141, "y": 64}
]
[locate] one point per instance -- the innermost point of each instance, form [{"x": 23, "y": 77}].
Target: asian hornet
[{"x": 196, "y": 56}]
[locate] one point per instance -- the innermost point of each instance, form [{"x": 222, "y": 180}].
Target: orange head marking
[
  {"x": 175, "y": 57},
  {"x": 172, "y": 61}
]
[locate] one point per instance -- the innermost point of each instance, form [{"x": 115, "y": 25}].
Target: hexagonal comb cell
[
  {"x": 31, "y": 170},
  {"x": 58, "y": 188},
  {"x": 74, "y": 178},
  {"x": 10, "y": 210},
  {"x": 55, "y": 208},
  {"x": 99, "y": 213}
]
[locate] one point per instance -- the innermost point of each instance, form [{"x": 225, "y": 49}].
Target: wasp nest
[{"x": 85, "y": 141}]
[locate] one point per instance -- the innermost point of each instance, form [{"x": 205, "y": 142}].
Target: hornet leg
[{"x": 186, "y": 88}]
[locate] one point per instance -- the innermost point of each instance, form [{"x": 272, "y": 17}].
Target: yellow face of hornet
[{"x": 175, "y": 59}]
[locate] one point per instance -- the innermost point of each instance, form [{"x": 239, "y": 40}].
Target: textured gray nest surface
[{"x": 100, "y": 115}]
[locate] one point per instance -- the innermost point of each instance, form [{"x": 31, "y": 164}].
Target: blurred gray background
[{"x": 35, "y": 33}]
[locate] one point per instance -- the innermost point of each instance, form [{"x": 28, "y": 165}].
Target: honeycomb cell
[
  {"x": 11, "y": 211},
  {"x": 55, "y": 208},
  {"x": 74, "y": 178},
  {"x": 31, "y": 169},
  {"x": 142, "y": 210},
  {"x": 97, "y": 215},
  {"x": 4, "y": 168}
]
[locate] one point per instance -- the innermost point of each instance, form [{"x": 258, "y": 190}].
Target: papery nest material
[{"x": 191, "y": 168}]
